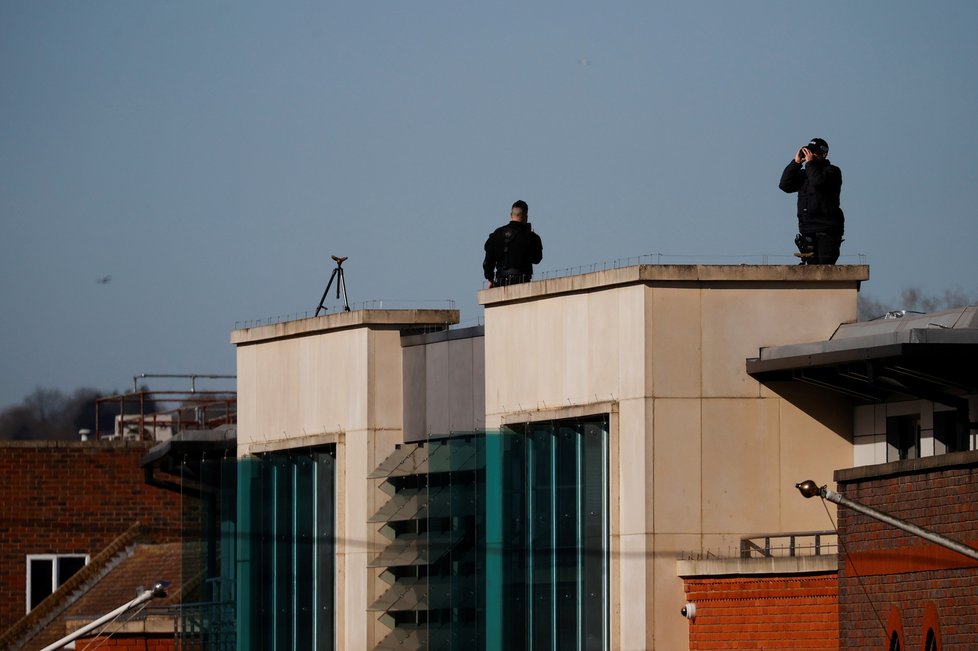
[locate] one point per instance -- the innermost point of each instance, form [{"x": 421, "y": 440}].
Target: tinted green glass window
[
  {"x": 555, "y": 532},
  {"x": 286, "y": 550},
  {"x": 498, "y": 540}
]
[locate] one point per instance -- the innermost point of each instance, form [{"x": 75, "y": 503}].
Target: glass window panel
[
  {"x": 303, "y": 551},
  {"x": 47, "y": 572},
  {"x": 902, "y": 437},
  {"x": 595, "y": 533},
  {"x": 248, "y": 572},
  {"x": 516, "y": 530},
  {"x": 228, "y": 530},
  {"x": 287, "y": 551},
  {"x": 41, "y": 575},
  {"x": 556, "y": 535},
  {"x": 541, "y": 571},
  {"x": 325, "y": 564},
  {"x": 265, "y": 557},
  {"x": 950, "y": 432},
  {"x": 67, "y": 566},
  {"x": 568, "y": 549}
]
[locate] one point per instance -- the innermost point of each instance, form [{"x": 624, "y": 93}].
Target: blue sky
[{"x": 211, "y": 156}]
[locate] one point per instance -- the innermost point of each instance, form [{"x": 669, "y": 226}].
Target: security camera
[{"x": 689, "y": 611}]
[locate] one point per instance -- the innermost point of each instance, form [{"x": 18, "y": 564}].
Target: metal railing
[
  {"x": 207, "y": 625},
  {"x": 793, "y": 543},
  {"x": 141, "y": 415},
  {"x": 144, "y": 414}
]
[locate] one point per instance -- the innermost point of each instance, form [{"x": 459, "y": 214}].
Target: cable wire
[
  {"x": 859, "y": 581},
  {"x": 102, "y": 629}
]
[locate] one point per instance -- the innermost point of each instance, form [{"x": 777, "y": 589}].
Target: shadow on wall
[{"x": 831, "y": 409}]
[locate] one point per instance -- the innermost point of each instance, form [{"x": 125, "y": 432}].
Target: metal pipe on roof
[{"x": 191, "y": 376}]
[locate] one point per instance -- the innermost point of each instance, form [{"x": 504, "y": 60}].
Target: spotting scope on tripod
[{"x": 337, "y": 275}]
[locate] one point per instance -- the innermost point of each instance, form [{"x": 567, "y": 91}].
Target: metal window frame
[{"x": 54, "y": 572}]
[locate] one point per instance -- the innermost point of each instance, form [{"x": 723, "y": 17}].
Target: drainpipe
[
  {"x": 810, "y": 489},
  {"x": 157, "y": 591}
]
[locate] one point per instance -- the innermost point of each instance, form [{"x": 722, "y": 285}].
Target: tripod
[{"x": 338, "y": 276}]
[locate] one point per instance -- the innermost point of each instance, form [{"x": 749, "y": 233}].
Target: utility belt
[
  {"x": 806, "y": 242},
  {"x": 821, "y": 247},
  {"x": 511, "y": 276}
]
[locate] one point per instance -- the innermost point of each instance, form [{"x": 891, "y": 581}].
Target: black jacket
[
  {"x": 512, "y": 249},
  {"x": 818, "y": 184}
]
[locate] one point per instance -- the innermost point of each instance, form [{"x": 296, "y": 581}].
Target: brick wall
[
  {"x": 891, "y": 580},
  {"x": 764, "y": 612},
  {"x": 123, "y": 643},
  {"x": 66, "y": 497}
]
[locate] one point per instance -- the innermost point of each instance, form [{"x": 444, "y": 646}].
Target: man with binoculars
[{"x": 820, "y": 219}]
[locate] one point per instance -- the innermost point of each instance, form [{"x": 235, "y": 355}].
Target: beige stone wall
[
  {"x": 702, "y": 453},
  {"x": 706, "y": 454},
  {"x": 303, "y": 386},
  {"x": 333, "y": 379}
]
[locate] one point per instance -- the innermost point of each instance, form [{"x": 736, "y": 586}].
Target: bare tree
[
  {"x": 913, "y": 299},
  {"x": 48, "y": 414},
  {"x": 17, "y": 423},
  {"x": 47, "y": 407}
]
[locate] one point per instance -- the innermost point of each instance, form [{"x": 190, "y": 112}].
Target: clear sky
[{"x": 209, "y": 156}]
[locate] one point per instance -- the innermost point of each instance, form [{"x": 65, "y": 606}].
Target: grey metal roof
[
  {"x": 930, "y": 356},
  {"x": 223, "y": 437}
]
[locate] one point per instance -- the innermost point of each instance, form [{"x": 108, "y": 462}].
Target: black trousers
[{"x": 819, "y": 248}]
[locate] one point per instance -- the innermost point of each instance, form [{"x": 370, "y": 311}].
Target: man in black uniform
[
  {"x": 820, "y": 219},
  {"x": 512, "y": 250}
]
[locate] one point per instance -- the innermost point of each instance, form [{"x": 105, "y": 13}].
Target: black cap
[{"x": 818, "y": 146}]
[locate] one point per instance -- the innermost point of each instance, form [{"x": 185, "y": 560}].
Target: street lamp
[{"x": 810, "y": 489}]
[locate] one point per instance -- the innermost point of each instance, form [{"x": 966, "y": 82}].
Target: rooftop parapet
[
  {"x": 415, "y": 320},
  {"x": 797, "y": 275}
]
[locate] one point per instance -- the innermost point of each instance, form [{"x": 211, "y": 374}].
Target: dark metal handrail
[
  {"x": 203, "y": 625},
  {"x": 766, "y": 545},
  {"x": 178, "y": 410}
]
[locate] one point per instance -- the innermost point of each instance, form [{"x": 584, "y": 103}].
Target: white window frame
[{"x": 54, "y": 572}]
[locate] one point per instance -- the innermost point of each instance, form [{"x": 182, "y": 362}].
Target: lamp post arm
[
  {"x": 157, "y": 591},
  {"x": 810, "y": 489}
]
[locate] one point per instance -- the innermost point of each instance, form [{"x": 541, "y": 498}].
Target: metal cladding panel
[
  {"x": 444, "y": 383},
  {"x": 415, "y": 389},
  {"x": 438, "y": 389}
]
